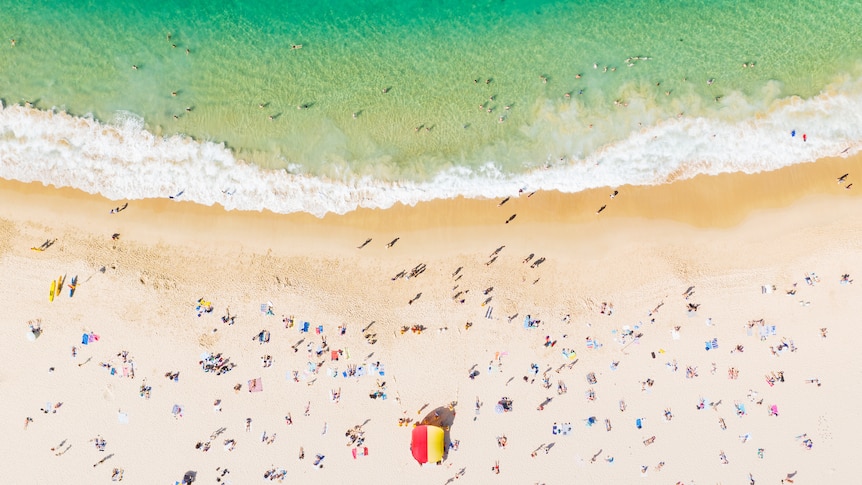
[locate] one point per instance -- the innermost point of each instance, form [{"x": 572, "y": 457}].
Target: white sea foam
[{"x": 121, "y": 160}]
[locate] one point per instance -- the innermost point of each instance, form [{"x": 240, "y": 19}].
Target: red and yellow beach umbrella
[{"x": 427, "y": 444}]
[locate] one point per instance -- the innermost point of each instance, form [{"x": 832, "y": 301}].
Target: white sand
[{"x": 169, "y": 255}]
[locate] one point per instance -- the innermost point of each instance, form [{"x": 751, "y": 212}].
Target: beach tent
[{"x": 427, "y": 444}]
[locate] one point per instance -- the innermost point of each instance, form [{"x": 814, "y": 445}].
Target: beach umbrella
[{"x": 427, "y": 444}]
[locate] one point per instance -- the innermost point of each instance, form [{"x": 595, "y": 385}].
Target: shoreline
[{"x": 719, "y": 201}]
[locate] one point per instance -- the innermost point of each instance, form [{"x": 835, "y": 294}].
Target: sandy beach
[{"x": 711, "y": 311}]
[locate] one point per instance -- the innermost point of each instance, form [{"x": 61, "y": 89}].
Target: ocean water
[{"x": 403, "y": 101}]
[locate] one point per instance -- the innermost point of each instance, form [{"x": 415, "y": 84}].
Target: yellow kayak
[{"x": 53, "y": 289}]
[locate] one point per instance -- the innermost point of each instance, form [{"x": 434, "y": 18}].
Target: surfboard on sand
[
  {"x": 60, "y": 282},
  {"x": 73, "y": 285},
  {"x": 53, "y": 290}
]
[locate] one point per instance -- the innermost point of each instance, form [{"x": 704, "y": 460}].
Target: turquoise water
[{"x": 438, "y": 63}]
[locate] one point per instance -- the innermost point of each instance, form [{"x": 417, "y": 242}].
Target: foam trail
[{"x": 122, "y": 160}]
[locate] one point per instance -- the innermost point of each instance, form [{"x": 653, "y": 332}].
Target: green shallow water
[{"x": 433, "y": 59}]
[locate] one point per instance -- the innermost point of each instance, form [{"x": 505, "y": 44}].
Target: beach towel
[
  {"x": 122, "y": 418},
  {"x": 639, "y": 423},
  {"x": 304, "y": 327},
  {"x": 85, "y": 339},
  {"x": 333, "y": 355},
  {"x": 713, "y": 344},
  {"x": 255, "y": 385},
  {"x": 319, "y": 329},
  {"x": 674, "y": 334}
]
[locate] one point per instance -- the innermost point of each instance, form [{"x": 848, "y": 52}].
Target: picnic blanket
[
  {"x": 593, "y": 344},
  {"x": 89, "y": 337},
  {"x": 767, "y": 330},
  {"x": 255, "y": 385}
]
